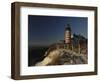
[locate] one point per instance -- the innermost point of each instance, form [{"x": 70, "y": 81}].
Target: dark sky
[{"x": 45, "y": 30}]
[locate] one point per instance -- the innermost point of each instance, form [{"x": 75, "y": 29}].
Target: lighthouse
[
  {"x": 67, "y": 37},
  {"x": 67, "y": 34}
]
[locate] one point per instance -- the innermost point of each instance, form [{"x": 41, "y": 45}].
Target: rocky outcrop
[
  {"x": 64, "y": 54},
  {"x": 63, "y": 57}
]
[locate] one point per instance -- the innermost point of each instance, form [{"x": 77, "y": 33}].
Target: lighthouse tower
[
  {"x": 67, "y": 34},
  {"x": 67, "y": 37}
]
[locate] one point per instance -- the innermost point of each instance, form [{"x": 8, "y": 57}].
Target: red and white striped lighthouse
[{"x": 68, "y": 34}]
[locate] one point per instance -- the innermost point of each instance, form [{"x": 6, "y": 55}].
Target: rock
[{"x": 62, "y": 57}]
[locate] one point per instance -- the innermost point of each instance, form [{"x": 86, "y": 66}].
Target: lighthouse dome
[{"x": 68, "y": 27}]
